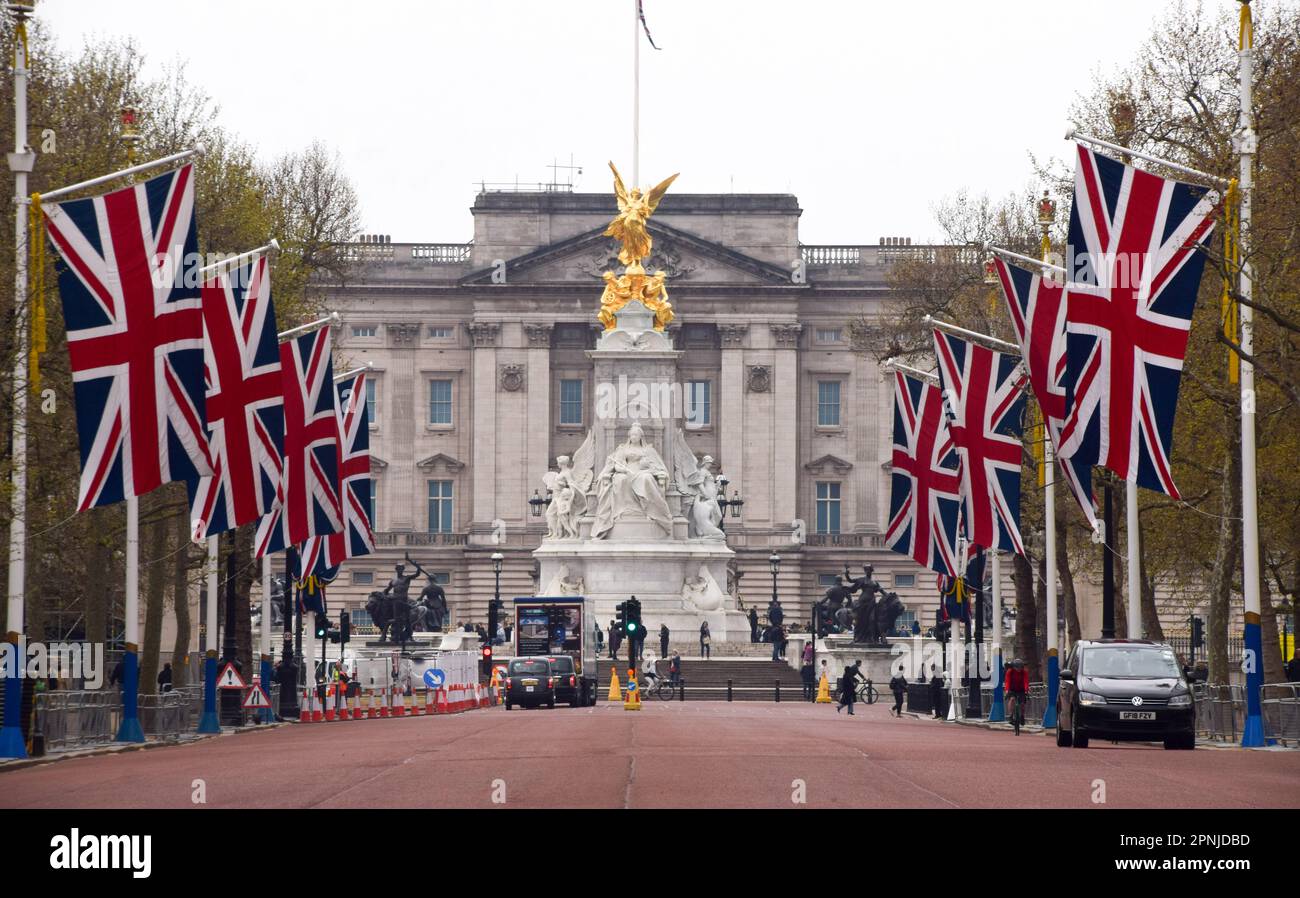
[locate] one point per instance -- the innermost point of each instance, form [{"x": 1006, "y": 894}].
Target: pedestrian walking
[
  {"x": 663, "y": 640},
  {"x": 898, "y": 685},
  {"x": 806, "y": 673},
  {"x": 600, "y": 640},
  {"x": 849, "y": 686},
  {"x": 705, "y": 640}
]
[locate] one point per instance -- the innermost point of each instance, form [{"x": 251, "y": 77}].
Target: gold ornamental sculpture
[{"x": 628, "y": 227}]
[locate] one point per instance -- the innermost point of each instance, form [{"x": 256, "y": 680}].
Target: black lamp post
[
  {"x": 537, "y": 503},
  {"x": 497, "y": 561},
  {"x": 774, "y": 562},
  {"x": 734, "y": 503}
]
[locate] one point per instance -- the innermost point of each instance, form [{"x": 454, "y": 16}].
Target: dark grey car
[{"x": 1124, "y": 690}]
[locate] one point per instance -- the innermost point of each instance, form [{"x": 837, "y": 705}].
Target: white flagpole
[
  {"x": 271, "y": 249},
  {"x": 997, "y": 710},
  {"x": 1134, "y": 540},
  {"x": 330, "y": 320},
  {"x": 1253, "y": 731},
  {"x": 266, "y": 608},
  {"x": 129, "y": 730},
  {"x": 636, "y": 92},
  {"x": 182, "y": 156},
  {"x": 21, "y": 162}
]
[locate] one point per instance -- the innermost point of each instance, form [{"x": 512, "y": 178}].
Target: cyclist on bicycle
[{"x": 1016, "y": 686}]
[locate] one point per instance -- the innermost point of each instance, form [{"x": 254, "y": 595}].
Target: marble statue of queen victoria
[{"x": 632, "y": 482}]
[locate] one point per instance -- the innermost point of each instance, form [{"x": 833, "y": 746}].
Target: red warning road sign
[
  {"x": 257, "y": 697},
  {"x": 229, "y": 678}
]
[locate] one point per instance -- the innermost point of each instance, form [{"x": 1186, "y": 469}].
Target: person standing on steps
[
  {"x": 615, "y": 637},
  {"x": 663, "y": 640},
  {"x": 705, "y": 640},
  {"x": 806, "y": 674},
  {"x": 753, "y": 625}
]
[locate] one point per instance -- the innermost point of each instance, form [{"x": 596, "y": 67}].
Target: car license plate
[
  {"x": 1137, "y": 715},
  {"x": 530, "y": 689}
]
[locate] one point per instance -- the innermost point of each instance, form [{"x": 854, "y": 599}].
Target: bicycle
[
  {"x": 1015, "y": 711},
  {"x": 661, "y": 688},
  {"x": 868, "y": 693}
]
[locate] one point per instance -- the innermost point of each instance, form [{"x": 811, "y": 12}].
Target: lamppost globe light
[
  {"x": 497, "y": 560},
  {"x": 774, "y": 560}
]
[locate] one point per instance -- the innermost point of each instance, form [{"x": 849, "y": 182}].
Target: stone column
[
  {"x": 539, "y": 425},
  {"x": 485, "y": 337},
  {"x": 401, "y": 497}
]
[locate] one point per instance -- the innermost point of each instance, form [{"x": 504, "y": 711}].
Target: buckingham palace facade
[{"x": 481, "y": 378}]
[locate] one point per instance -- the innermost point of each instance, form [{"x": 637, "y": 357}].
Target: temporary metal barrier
[{"x": 1280, "y": 704}]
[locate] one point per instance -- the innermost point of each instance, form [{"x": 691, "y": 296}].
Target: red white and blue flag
[
  {"x": 1037, "y": 310},
  {"x": 128, "y": 279},
  {"x": 1132, "y": 285},
  {"x": 245, "y": 401},
  {"x": 983, "y": 388},
  {"x": 322, "y": 555},
  {"x": 925, "y": 486},
  {"x": 307, "y": 500}
]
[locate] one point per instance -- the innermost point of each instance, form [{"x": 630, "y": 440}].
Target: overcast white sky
[{"x": 870, "y": 112}]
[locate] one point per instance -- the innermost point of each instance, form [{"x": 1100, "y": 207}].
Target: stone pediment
[
  {"x": 441, "y": 460},
  {"x": 828, "y": 464},
  {"x": 377, "y": 464},
  {"x": 684, "y": 256}
]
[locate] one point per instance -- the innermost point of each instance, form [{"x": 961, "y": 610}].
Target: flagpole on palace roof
[
  {"x": 1253, "y": 732},
  {"x": 21, "y": 162},
  {"x": 636, "y": 92}
]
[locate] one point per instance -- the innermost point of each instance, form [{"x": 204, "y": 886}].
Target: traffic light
[
  {"x": 345, "y": 626},
  {"x": 632, "y": 610},
  {"x": 493, "y": 616},
  {"x": 485, "y": 660},
  {"x": 622, "y": 616},
  {"x": 322, "y": 626},
  {"x": 1198, "y": 632}
]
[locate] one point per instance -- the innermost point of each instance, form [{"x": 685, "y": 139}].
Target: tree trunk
[
  {"x": 155, "y": 581},
  {"x": 243, "y": 571},
  {"x": 1150, "y": 616},
  {"x": 1226, "y": 559},
  {"x": 1022, "y": 576},
  {"x": 1268, "y": 631},
  {"x": 181, "y": 603}
]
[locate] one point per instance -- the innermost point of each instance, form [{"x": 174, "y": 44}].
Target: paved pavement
[{"x": 697, "y": 754}]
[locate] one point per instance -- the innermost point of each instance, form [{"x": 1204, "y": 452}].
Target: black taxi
[{"x": 530, "y": 683}]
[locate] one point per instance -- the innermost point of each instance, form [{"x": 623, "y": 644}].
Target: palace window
[
  {"x": 901, "y": 580},
  {"x": 571, "y": 401},
  {"x": 440, "y": 506},
  {"x": 828, "y": 507},
  {"x": 372, "y": 506},
  {"x": 825, "y": 581},
  {"x": 830, "y": 334},
  {"x": 828, "y": 403},
  {"x": 699, "y": 403},
  {"x": 362, "y": 578},
  {"x": 439, "y": 332},
  {"x": 371, "y": 392},
  {"x": 364, "y": 330},
  {"x": 439, "y": 402}
]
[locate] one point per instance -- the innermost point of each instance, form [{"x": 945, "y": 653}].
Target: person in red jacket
[{"x": 1016, "y": 687}]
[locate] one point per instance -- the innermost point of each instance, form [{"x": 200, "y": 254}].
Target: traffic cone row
[{"x": 443, "y": 700}]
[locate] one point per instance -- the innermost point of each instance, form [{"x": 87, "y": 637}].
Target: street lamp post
[
  {"x": 774, "y": 562},
  {"x": 734, "y": 503},
  {"x": 497, "y": 561}
]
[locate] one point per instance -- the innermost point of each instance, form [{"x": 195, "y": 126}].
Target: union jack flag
[
  {"x": 984, "y": 395},
  {"x": 1130, "y": 296},
  {"x": 1038, "y": 318},
  {"x": 127, "y": 279},
  {"x": 245, "y": 401},
  {"x": 322, "y": 555},
  {"x": 307, "y": 499},
  {"x": 925, "y": 487}
]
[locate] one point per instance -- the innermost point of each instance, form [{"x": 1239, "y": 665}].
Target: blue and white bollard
[
  {"x": 1053, "y": 684},
  {"x": 209, "y": 723},
  {"x": 129, "y": 730},
  {"x": 11, "y": 735},
  {"x": 1252, "y": 734},
  {"x": 997, "y": 710},
  {"x": 266, "y": 715}
]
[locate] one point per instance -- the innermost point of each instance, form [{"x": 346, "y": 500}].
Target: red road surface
[{"x": 697, "y": 754}]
